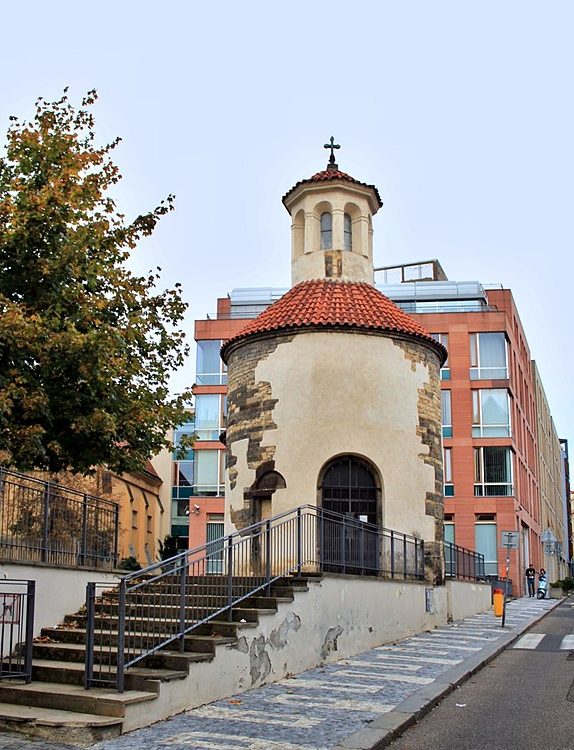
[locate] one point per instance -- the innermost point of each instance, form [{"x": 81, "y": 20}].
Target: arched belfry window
[
  {"x": 326, "y": 231},
  {"x": 348, "y": 233}
]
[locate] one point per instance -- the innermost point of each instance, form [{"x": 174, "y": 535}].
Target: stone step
[
  {"x": 67, "y": 697},
  {"x": 55, "y": 636},
  {"x": 75, "y": 652},
  {"x": 56, "y": 725},
  {"x": 213, "y": 627},
  {"x": 136, "y": 678},
  {"x": 145, "y": 603}
]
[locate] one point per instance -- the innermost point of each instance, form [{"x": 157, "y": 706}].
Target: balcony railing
[{"x": 45, "y": 522}]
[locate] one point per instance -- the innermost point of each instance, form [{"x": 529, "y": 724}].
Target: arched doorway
[
  {"x": 349, "y": 534},
  {"x": 349, "y": 486}
]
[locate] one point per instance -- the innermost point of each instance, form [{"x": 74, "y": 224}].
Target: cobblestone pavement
[{"x": 320, "y": 707}]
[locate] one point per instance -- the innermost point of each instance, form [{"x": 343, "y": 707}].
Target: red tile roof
[
  {"x": 324, "y": 303},
  {"x": 333, "y": 174}
]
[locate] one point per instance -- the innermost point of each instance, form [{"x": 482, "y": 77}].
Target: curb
[{"x": 380, "y": 732}]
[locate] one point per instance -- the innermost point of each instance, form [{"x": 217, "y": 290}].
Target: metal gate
[{"x": 16, "y": 628}]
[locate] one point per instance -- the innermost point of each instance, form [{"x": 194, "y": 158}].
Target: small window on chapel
[
  {"x": 326, "y": 231},
  {"x": 348, "y": 233}
]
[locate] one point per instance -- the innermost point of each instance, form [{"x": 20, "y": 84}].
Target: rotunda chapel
[{"x": 333, "y": 391}]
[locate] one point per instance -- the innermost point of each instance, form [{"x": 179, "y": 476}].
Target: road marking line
[
  {"x": 529, "y": 641},
  {"x": 567, "y": 643}
]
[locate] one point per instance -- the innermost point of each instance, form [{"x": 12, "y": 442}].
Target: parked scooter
[{"x": 542, "y": 585}]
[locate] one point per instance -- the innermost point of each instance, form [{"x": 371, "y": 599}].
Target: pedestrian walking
[{"x": 530, "y": 579}]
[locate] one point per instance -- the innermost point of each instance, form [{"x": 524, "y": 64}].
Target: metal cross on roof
[{"x": 332, "y": 145}]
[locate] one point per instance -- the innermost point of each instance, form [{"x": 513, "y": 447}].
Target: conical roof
[
  {"x": 330, "y": 175},
  {"x": 334, "y": 304}
]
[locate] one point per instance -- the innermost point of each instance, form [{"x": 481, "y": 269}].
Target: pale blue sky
[{"x": 460, "y": 113}]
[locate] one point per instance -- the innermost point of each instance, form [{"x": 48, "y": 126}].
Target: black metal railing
[
  {"x": 44, "y": 522},
  {"x": 463, "y": 563},
  {"x": 16, "y": 628},
  {"x": 153, "y": 609}
]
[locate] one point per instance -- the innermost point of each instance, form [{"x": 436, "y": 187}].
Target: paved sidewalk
[{"x": 354, "y": 704}]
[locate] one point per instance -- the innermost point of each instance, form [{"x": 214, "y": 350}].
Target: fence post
[
  {"x": 116, "y": 534},
  {"x": 182, "y": 587},
  {"x": 321, "y": 540},
  {"x": 268, "y": 558},
  {"x": 84, "y": 531},
  {"x": 392, "y": 554},
  {"x": 30, "y": 601},
  {"x": 416, "y": 571},
  {"x": 121, "y": 636},
  {"x": 229, "y": 577},
  {"x": 342, "y": 544},
  {"x": 422, "y": 573},
  {"x": 299, "y": 541},
  {"x": 45, "y": 521},
  {"x": 90, "y": 627},
  {"x": 405, "y": 556}
]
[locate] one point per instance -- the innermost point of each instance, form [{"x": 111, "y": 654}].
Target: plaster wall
[
  {"x": 339, "y": 393},
  {"x": 465, "y": 598},
  {"x": 338, "y": 617},
  {"x": 59, "y": 591}
]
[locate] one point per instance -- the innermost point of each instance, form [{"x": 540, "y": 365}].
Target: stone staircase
[{"x": 56, "y": 705}]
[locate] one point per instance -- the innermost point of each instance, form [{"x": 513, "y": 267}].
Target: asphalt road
[{"x": 522, "y": 700}]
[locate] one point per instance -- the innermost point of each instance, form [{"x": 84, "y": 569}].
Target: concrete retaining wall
[
  {"x": 59, "y": 591},
  {"x": 466, "y": 598},
  {"x": 339, "y": 616}
]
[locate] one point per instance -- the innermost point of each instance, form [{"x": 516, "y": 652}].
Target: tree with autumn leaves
[{"x": 86, "y": 346}]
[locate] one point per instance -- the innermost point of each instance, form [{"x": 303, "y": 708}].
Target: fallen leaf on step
[{"x": 235, "y": 703}]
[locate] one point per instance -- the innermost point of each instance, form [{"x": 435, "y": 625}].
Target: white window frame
[
  {"x": 480, "y": 429},
  {"x": 480, "y": 485},
  {"x": 478, "y": 371}
]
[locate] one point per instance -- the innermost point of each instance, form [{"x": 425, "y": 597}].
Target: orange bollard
[{"x": 498, "y": 602}]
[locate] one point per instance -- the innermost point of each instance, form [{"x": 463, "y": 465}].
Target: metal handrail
[
  {"x": 463, "y": 563},
  {"x": 158, "y": 606}
]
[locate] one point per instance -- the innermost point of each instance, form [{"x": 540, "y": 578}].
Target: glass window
[
  {"x": 210, "y": 368},
  {"x": 207, "y": 416},
  {"x": 485, "y": 543},
  {"x": 449, "y": 533},
  {"x": 182, "y": 477},
  {"x": 488, "y": 358},
  {"x": 185, "y": 430},
  {"x": 442, "y": 338},
  {"x": 491, "y": 413},
  {"x": 348, "y": 233},
  {"x": 446, "y": 414},
  {"x": 208, "y": 473},
  {"x": 447, "y": 469},
  {"x": 326, "y": 231},
  {"x": 492, "y": 472}
]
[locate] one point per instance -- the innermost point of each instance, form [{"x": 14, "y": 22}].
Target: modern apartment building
[{"x": 500, "y": 453}]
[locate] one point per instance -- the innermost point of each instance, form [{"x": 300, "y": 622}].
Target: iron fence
[
  {"x": 463, "y": 563},
  {"x": 155, "y": 608},
  {"x": 16, "y": 628},
  {"x": 44, "y": 522}
]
